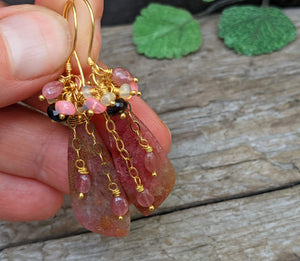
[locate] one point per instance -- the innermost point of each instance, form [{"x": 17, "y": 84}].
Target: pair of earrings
[{"x": 131, "y": 168}]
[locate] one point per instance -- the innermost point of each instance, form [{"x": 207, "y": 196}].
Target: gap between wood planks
[{"x": 166, "y": 212}]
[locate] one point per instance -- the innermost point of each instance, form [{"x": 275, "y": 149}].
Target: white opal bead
[
  {"x": 86, "y": 91},
  {"x": 124, "y": 91},
  {"x": 107, "y": 98}
]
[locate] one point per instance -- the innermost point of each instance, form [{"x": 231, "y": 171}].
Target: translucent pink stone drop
[
  {"x": 151, "y": 162},
  {"x": 52, "y": 90},
  {"x": 134, "y": 86},
  {"x": 95, "y": 105},
  {"x": 65, "y": 107},
  {"x": 83, "y": 183},
  {"x": 145, "y": 198},
  {"x": 121, "y": 76},
  {"x": 119, "y": 206}
]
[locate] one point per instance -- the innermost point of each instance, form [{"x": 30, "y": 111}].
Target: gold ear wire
[
  {"x": 93, "y": 27},
  {"x": 68, "y": 5}
]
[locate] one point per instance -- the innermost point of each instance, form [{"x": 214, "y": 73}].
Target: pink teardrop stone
[
  {"x": 83, "y": 183},
  {"x": 52, "y": 90},
  {"x": 134, "y": 86},
  {"x": 119, "y": 206},
  {"x": 65, "y": 107},
  {"x": 121, "y": 76},
  {"x": 95, "y": 105},
  {"x": 151, "y": 162},
  {"x": 145, "y": 198}
]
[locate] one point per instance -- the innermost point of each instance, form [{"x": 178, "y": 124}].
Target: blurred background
[{"x": 124, "y": 11}]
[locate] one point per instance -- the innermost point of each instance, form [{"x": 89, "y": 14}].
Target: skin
[{"x": 33, "y": 150}]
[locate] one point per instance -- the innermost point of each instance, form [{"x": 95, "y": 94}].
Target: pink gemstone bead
[
  {"x": 145, "y": 198},
  {"x": 151, "y": 162},
  {"x": 95, "y": 105},
  {"x": 52, "y": 90},
  {"x": 119, "y": 206},
  {"x": 134, "y": 86},
  {"x": 65, "y": 107},
  {"x": 83, "y": 183},
  {"x": 121, "y": 76}
]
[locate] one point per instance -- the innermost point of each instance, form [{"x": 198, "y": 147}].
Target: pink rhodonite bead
[
  {"x": 121, "y": 76},
  {"x": 52, "y": 90},
  {"x": 65, "y": 107},
  {"x": 134, "y": 86},
  {"x": 119, "y": 206},
  {"x": 151, "y": 162},
  {"x": 145, "y": 198},
  {"x": 95, "y": 105},
  {"x": 83, "y": 183}
]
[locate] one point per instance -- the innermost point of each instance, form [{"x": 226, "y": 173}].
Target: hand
[{"x": 34, "y": 45}]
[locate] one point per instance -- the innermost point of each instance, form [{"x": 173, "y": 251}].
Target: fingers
[
  {"x": 23, "y": 199},
  {"x": 32, "y": 146},
  {"x": 84, "y": 25},
  {"x": 34, "y": 45}
]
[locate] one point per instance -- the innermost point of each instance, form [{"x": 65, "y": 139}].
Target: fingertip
[{"x": 23, "y": 199}]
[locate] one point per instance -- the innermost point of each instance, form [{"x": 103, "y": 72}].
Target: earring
[{"x": 135, "y": 170}]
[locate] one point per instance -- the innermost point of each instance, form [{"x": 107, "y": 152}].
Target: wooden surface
[{"x": 236, "y": 150}]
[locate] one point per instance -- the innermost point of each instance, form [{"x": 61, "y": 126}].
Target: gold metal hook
[{"x": 68, "y": 5}]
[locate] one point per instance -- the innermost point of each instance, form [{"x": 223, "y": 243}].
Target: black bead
[
  {"x": 119, "y": 108},
  {"x": 52, "y": 113}
]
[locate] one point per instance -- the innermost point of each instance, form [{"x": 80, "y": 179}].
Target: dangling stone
[
  {"x": 151, "y": 162},
  {"x": 119, "y": 206},
  {"x": 145, "y": 198},
  {"x": 65, "y": 107},
  {"x": 121, "y": 76},
  {"x": 124, "y": 91},
  {"x": 119, "y": 108},
  {"x": 52, "y": 90},
  {"x": 53, "y": 114},
  {"x": 83, "y": 183},
  {"x": 134, "y": 86},
  {"x": 107, "y": 98},
  {"x": 95, "y": 105}
]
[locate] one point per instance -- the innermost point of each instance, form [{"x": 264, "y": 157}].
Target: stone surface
[
  {"x": 52, "y": 90},
  {"x": 95, "y": 105},
  {"x": 121, "y": 75},
  {"x": 159, "y": 186},
  {"x": 94, "y": 210},
  {"x": 65, "y": 107}
]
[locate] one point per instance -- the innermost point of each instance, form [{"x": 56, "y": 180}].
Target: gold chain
[
  {"x": 112, "y": 186},
  {"x": 136, "y": 128},
  {"x": 133, "y": 172}
]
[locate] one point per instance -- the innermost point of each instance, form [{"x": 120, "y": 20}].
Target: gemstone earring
[{"x": 132, "y": 167}]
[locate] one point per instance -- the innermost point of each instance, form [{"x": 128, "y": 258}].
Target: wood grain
[
  {"x": 235, "y": 127},
  {"x": 264, "y": 227}
]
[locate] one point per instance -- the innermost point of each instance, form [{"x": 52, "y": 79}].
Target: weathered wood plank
[
  {"x": 233, "y": 119},
  {"x": 260, "y": 228}
]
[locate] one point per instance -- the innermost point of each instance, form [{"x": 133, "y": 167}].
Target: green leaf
[
  {"x": 208, "y": 0},
  {"x": 166, "y": 32},
  {"x": 254, "y": 30}
]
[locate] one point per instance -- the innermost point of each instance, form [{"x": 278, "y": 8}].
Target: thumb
[{"x": 34, "y": 44}]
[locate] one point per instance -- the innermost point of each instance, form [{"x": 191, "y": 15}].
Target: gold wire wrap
[
  {"x": 137, "y": 130},
  {"x": 133, "y": 172}
]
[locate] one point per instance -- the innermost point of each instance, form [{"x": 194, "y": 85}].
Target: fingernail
[{"x": 37, "y": 43}]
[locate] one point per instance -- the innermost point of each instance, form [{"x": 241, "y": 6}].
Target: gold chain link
[
  {"x": 133, "y": 172},
  {"x": 76, "y": 145},
  {"x": 136, "y": 128},
  {"x": 98, "y": 150}
]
